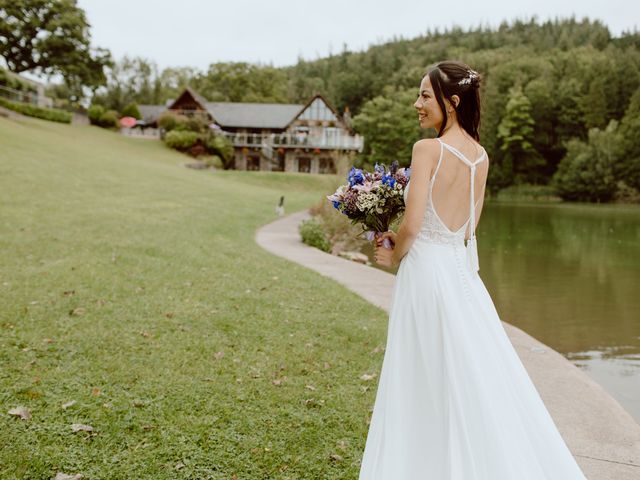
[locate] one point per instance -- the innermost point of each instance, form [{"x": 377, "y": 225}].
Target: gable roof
[
  {"x": 258, "y": 115},
  {"x": 316, "y": 102}
]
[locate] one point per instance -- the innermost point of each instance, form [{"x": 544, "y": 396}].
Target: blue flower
[
  {"x": 379, "y": 169},
  {"x": 355, "y": 176},
  {"x": 388, "y": 180},
  {"x": 336, "y": 204}
]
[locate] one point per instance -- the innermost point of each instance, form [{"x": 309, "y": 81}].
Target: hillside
[{"x": 133, "y": 286}]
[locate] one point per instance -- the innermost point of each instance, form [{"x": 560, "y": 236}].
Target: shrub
[
  {"x": 109, "y": 119},
  {"x": 313, "y": 235},
  {"x": 586, "y": 173},
  {"x": 181, "y": 140},
  {"x": 131, "y": 110},
  {"x": 94, "y": 113},
  {"x": 51, "y": 114},
  {"x": 169, "y": 121},
  {"x": 220, "y": 146},
  {"x": 213, "y": 161},
  {"x": 527, "y": 191},
  {"x": 338, "y": 229},
  {"x": 193, "y": 124}
]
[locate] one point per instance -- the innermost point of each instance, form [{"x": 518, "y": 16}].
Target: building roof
[
  {"x": 256, "y": 115},
  {"x": 253, "y": 115},
  {"x": 150, "y": 113}
]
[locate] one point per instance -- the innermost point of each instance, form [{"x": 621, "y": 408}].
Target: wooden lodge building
[{"x": 273, "y": 136}]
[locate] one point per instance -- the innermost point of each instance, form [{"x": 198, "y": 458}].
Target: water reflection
[{"x": 568, "y": 274}]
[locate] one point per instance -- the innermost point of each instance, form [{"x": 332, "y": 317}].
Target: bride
[{"x": 454, "y": 401}]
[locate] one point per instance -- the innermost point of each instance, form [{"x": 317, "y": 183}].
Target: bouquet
[{"x": 373, "y": 199}]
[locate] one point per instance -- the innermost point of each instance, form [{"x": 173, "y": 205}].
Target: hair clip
[{"x": 471, "y": 76}]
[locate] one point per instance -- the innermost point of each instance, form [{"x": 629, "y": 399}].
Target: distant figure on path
[{"x": 280, "y": 207}]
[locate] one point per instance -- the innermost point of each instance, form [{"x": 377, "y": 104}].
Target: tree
[
  {"x": 587, "y": 172},
  {"x": 131, "y": 110},
  {"x": 390, "y": 126},
  {"x": 515, "y": 133},
  {"x": 628, "y": 167},
  {"x": 51, "y": 36}
]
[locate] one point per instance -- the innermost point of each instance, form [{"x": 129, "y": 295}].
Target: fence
[{"x": 25, "y": 97}]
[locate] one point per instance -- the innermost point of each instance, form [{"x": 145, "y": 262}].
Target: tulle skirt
[{"x": 454, "y": 401}]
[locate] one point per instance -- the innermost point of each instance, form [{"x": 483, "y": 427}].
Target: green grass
[{"x": 163, "y": 262}]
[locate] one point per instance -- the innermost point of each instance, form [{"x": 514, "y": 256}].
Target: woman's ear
[{"x": 456, "y": 100}]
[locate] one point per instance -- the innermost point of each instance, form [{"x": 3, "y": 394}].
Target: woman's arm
[{"x": 424, "y": 157}]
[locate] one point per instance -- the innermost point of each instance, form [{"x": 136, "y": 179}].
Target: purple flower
[
  {"x": 355, "y": 176},
  {"x": 388, "y": 180}
]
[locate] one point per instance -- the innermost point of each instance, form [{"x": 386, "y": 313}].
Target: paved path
[{"x": 603, "y": 437}]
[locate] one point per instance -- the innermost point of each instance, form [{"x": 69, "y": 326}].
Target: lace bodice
[{"x": 433, "y": 229}]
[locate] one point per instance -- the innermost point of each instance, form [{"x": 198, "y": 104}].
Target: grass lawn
[{"x": 133, "y": 287}]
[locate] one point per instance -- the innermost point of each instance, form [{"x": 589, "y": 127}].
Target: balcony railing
[{"x": 292, "y": 140}]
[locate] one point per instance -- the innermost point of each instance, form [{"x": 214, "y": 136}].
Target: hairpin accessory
[{"x": 472, "y": 75}]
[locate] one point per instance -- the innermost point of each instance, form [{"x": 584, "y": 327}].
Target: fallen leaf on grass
[
  {"x": 68, "y": 404},
  {"x": 368, "y": 376},
  {"x": 64, "y": 476},
  {"x": 76, "y": 312},
  {"x": 312, "y": 402},
  {"x": 47, "y": 340},
  {"x": 79, "y": 427},
  {"x": 145, "y": 334},
  {"x": 179, "y": 466},
  {"x": 22, "y": 412},
  {"x": 335, "y": 457},
  {"x": 69, "y": 293},
  {"x": 310, "y": 387},
  {"x": 342, "y": 445},
  {"x": 95, "y": 391},
  {"x": 169, "y": 314},
  {"x": 327, "y": 365},
  {"x": 218, "y": 355}
]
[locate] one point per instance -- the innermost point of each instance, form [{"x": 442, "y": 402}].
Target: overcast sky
[{"x": 198, "y": 32}]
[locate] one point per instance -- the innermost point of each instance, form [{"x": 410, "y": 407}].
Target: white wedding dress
[{"x": 454, "y": 401}]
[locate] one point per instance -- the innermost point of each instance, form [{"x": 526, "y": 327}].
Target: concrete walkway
[{"x": 603, "y": 437}]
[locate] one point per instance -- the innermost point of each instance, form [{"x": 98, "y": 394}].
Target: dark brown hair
[{"x": 445, "y": 79}]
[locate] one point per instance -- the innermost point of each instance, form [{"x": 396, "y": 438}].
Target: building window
[{"x": 304, "y": 164}]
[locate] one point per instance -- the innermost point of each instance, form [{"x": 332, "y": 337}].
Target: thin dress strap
[
  {"x": 435, "y": 172},
  {"x": 472, "y": 245}
]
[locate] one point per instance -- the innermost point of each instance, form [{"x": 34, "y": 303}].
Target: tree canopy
[{"x": 51, "y": 36}]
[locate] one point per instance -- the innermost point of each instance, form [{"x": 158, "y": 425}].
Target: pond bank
[{"x": 603, "y": 437}]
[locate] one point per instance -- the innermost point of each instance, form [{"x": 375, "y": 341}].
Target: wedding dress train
[{"x": 454, "y": 401}]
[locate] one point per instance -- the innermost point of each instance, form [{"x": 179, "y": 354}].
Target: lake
[{"x": 569, "y": 275}]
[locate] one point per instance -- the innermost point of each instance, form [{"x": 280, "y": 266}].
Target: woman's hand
[
  {"x": 390, "y": 234},
  {"x": 384, "y": 256}
]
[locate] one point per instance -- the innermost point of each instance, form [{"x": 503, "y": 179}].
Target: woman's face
[{"x": 429, "y": 113}]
